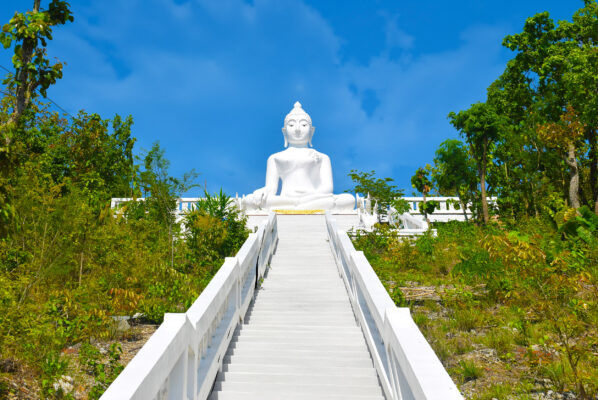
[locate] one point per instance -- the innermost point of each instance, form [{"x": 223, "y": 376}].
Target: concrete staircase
[{"x": 300, "y": 339}]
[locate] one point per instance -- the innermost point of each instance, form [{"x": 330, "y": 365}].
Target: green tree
[
  {"x": 480, "y": 126},
  {"x": 380, "y": 190},
  {"x": 454, "y": 172},
  {"x": 214, "y": 230},
  {"x": 564, "y": 136},
  {"x": 30, "y": 32},
  {"x": 98, "y": 161},
  {"x": 160, "y": 191},
  {"x": 576, "y": 49},
  {"x": 555, "y": 67},
  {"x": 422, "y": 183}
]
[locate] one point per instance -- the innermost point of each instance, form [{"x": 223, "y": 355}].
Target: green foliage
[
  {"x": 583, "y": 225},
  {"x": 214, "y": 229},
  {"x": 421, "y": 180},
  {"x": 53, "y": 369},
  {"x": 480, "y": 126},
  {"x": 454, "y": 173},
  {"x": 380, "y": 190},
  {"x": 68, "y": 263},
  {"x": 29, "y": 32},
  {"x": 422, "y": 183},
  {"x": 102, "y": 372},
  {"x": 469, "y": 371},
  {"x": 429, "y": 207},
  {"x": 160, "y": 189},
  {"x": 547, "y": 83},
  {"x": 527, "y": 291}
]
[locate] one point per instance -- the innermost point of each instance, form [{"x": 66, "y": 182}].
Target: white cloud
[{"x": 395, "y": 36}]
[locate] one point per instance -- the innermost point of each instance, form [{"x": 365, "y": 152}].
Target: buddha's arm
[
  {"x": 272, "y": 177},
  {"x": 325, "y": 185},
  {"x": 260, "y": 195}
]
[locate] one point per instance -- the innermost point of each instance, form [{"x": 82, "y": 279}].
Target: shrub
[{"x": 468, "y": 370}]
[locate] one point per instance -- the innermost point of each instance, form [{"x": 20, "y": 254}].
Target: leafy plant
[
  {"x": 103, "y": 373},
  {"x": 381, "y": 191},
  {"x": 469, "y": 370},
  {"x": 422, "y": 183},
  {"x": 54, "y": 368}
]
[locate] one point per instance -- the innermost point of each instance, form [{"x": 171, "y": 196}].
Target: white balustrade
[
  {"x": 183, "y": 204},
  {"x": 181, "y": 359},
  {"x": 447, "y": 210},
  {"x": 406, "y": 364}
]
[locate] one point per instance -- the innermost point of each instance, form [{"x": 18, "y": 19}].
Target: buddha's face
[{"x": 297, "y": 131}]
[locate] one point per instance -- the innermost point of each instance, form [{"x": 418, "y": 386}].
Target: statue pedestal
[
  {"x": 299, "y": 212},
  {"x": 345, "y": 219}
]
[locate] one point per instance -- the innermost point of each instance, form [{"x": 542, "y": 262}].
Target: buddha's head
[{"x": 297, "y": 129}]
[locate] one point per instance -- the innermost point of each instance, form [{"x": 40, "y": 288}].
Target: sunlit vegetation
[
  {"x": 72, "y": 270},
  {"x": 509, "y": 309},
  {"x": 508, "y": 300}
]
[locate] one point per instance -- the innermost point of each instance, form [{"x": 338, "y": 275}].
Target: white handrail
[
  {"x": 182, "y": 358},
  {"x": 406, "y": 364}
]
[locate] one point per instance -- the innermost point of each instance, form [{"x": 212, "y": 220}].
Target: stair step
[
  {"x": 306, "y": 360},
  {"x": 299, "y": 337},
  {"x": 299, "y": 388},
  {"x": 274, "y": 308},
  {"x": 314, "y": 313},
  {"x": 297, "y": 333},
  {"x": 311, "y": 321},
  {"x": 229, "y": 395},
  {"x": 297, "y": 344},
  {"x": 366, "y": 379},
  {"x": 297, "y": 369},
  {"x": 289, "y": 352}
]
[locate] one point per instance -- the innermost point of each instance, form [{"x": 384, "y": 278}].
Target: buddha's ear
[
  {"x": 284, "y": 133},
  {"x": 311, "y": 135}
]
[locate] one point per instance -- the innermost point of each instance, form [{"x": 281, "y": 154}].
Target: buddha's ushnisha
[{"x": 305, "y": 174}]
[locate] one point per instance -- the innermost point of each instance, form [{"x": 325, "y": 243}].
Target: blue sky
[{"x": 212, "y": 80}]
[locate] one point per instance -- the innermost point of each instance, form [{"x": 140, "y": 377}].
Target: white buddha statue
[{"x": 305, "y": 173}]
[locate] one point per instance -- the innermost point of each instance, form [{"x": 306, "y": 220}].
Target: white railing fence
[
  {"x": 449, "y": 208},
  {"x": 181, "y": 359},
  {"x": 183, "y": 204},
  {"x": 407, "y": 366}
]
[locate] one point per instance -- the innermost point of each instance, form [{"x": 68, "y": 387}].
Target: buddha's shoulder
[
  {"x": 290, "y": 154},
  {"x": 277, "y": 156}
]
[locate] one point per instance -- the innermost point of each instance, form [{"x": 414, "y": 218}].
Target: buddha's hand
[
  {"x": 299, "y": 192},
  {"x": 260, "y": 196}
]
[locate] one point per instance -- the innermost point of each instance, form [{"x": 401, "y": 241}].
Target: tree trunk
[
  {"x": 462, "y": 203},
  {"x": 482, "y": 170},
  {"x": 571, "y": 161},
  {"x": 424, "y": 211},
  {"x": 171, "y": 246},
  {"x": 593, "y": 156},
  {"x": 485, "y": 213},
  {"x": 80, "y": 268},
  {"x": 24, "y": 86}
]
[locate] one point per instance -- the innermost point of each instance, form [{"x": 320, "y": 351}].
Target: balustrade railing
[
  {"x": 449, "y": 208},
  {"x": 181, "y": 359},
  {"x": 407, "y": 366}
]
